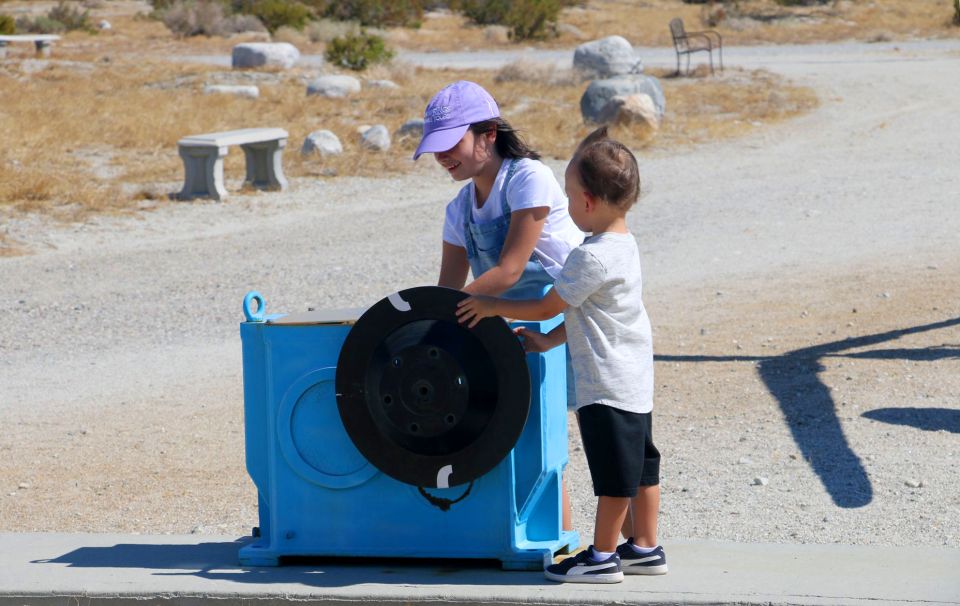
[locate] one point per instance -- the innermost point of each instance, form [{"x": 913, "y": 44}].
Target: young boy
[{"x": 608, "y": 332}]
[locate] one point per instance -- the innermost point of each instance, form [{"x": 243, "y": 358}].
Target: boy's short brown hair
[{"x": 607, "y": 169}]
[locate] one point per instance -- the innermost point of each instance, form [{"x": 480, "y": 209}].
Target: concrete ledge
[{"x": 117, "y": 570}]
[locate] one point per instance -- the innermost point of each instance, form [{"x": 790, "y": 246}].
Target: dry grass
[
  {"x": 95, "y": 129},
  {"x": 644, "y": 23}
]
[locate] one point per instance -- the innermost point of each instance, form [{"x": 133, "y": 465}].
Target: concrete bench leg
[
  {"x": 265, "y": 165},
  {"x": 43, "y": 48},
  {"x": 3, "y": 50},
  {"x": 203, "y": 172}
]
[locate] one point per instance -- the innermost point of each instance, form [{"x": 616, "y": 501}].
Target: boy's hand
[
  {"x": 475, "y": 308},
  {"x": 533, "y": 341}
]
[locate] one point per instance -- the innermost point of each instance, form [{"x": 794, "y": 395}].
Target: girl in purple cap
[{"x": 509, "y": 225}]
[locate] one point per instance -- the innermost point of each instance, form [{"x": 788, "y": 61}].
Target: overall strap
[{"x": 514, "y": 163}]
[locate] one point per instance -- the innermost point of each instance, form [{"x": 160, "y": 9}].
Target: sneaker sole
[
  {"x": 584, "y": 578},
  {"x": 645, "y": 570}
]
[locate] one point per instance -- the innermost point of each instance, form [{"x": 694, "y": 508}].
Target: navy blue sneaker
[
  {"x": 581, "y": 568},
  {"x": 632, "y": 562}
]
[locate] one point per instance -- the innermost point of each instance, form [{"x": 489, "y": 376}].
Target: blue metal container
[{"x": 318, "y": 496}]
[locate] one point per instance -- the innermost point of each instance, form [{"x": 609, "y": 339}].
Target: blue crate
[{"x": 318, "y": 496}]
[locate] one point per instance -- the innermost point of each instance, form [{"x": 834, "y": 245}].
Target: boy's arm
[
  {"x": 536, "y": 342},
  {"x": 474, "y": 309}
]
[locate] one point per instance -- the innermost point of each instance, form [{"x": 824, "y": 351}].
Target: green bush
[
  {"x": 527, "y": 19},
  {"x": 374, "y": 13},
  {"x": 357, "y": 51},
  {"x": 8, "y": 25},
  {"x": 275, "y": 14},
  {"x": 956, "y": 12}
]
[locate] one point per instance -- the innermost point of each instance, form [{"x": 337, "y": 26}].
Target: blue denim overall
[{"x": 484, "y": 243}]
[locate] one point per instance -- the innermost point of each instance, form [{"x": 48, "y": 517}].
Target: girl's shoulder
[
  {"x": 530, "y": 167},
  {"x": 534, "y": 178}
]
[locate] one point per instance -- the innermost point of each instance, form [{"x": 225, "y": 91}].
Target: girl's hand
[
  {"x": 533, "y": 341},
  {"x": 475, "y": 308}
]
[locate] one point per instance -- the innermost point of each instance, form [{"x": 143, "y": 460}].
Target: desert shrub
[
  {"x": 527, "y": 19},
  {"x": 375, "y": 13},
  {"x": 290, "y": 35},
  {"x": 358, "y": 51},
  {"x": 956, "y": 12},
  {"x": 236, "y": 24},
  {"x": 326, "y": 30},
  {"x": 71, "y": 17},
  {"x": 275, "y": 14},
  {"x": 41, "y": 24},
  {"x": 8, "y": 25},
  {"x": 190, "y": 18},
  {"x": 801, "y": 2}
]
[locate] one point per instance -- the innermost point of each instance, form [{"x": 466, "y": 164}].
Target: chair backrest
[{"x": 678, "y": 33}]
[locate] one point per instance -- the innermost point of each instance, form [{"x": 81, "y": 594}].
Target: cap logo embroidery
[{"x": 438, "y": 113}]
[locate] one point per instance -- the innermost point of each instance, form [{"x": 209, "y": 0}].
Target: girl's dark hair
[
  {"x": 607, "y": 169},
  {"x": 509, "y": 143}
]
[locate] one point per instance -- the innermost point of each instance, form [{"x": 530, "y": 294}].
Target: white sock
[
  {"x": 599, "y": 556},
  {"x": 639, "y": 549}
]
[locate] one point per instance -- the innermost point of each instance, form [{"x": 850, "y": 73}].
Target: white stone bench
[
  {"x": 203, "y": 160},
  {"x": 41, "y": 41}
]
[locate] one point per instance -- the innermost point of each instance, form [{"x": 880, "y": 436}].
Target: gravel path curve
[{"x": 803, "y": 283}]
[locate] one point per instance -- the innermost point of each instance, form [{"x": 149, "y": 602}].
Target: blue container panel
[{"x": 318, "y": 496}]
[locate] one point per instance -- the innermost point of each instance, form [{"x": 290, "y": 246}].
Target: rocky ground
[{"x": 803, "y": 284}]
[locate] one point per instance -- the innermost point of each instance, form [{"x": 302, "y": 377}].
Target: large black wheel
[{"x": 426, "y": 400}]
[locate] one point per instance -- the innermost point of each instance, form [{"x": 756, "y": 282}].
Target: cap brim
[{"x": 440, "y": 140}]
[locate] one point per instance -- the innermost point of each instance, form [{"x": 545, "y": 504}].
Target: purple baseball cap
[{"x": 451, "y": 112}]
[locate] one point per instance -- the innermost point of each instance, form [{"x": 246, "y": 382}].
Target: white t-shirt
[
  {"x": 608, "y": 331},
  {"x": 532, "y": 185}
]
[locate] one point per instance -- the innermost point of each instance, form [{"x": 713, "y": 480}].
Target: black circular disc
[{"x": 426, "y": 400}]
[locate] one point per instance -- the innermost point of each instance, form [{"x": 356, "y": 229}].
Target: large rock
[
  {"x": 412, "y": 129},
  {"x": 334, "y": 86},
  {"x": 241, "y": 90},
  {"x": 265, "y": 54},
  {"x": 388, "y": 84},
  {"x": 376, "y": 138},
  {"x": 323, "y": 142},
  {"x": 600, "y": 92},
  {"x": 606, "y": 57},
  {"x": 630, "y": 110}
]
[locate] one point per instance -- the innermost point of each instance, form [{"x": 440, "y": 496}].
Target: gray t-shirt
[{"x": 608, "y": 331}]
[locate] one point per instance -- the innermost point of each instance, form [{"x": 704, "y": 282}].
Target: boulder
[
  {"x": 412, "y": 129},
  {"x": 265, "y": 54},
  {"x": 606, "y": 57},
  {"x": 249, "y": 91},
  {"x": 376, "y": 138},
  {"x": 322, "y": 142},
  {"x": 389, "y": 84},
  {"x": 600, "y": 92},
  {"x": 637, "y": 109},
  {"x": 334, "y": 86}
]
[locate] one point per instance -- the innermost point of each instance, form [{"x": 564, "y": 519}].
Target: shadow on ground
[
  {"x": 793, "y": 378},
  {"x": 218, "y": 561}
]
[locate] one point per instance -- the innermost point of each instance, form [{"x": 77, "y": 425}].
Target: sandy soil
[{"x": 804, "y": 285}]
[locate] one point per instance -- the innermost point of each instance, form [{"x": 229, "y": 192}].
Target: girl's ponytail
[{"x": 509, "y": 143}]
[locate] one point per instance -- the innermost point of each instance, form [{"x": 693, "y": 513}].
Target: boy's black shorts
[{"x": 619, "y": 448}]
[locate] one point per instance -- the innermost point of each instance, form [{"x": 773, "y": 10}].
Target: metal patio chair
[{"x": 687, "y": 43}]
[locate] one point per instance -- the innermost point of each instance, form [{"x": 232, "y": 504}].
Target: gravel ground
[{"x": 803, "y": 283}]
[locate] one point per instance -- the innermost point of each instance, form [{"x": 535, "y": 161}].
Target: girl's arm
[
  {"x": 474, "y": 309},
  {"x": 453, "y": 266},
  {"x": 525, "y": 228}
]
